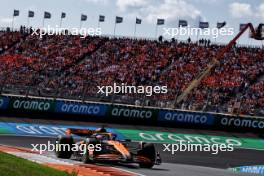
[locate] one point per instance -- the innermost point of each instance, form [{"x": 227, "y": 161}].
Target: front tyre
[{"x": 87, "y": 157}]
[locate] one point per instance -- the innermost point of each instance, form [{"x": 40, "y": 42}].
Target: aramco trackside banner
[{"x": 131, "y": 114}]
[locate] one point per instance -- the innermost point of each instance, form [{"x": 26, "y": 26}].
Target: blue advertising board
[
  {"x": 4, "y": 101},
  {"x": 81, "y": 108},
  {"x": 43, "y": 130},
  {"x": 186, "y": 118}
]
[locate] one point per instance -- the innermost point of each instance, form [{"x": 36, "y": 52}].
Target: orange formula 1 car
[{"x": 91, "y": 146}]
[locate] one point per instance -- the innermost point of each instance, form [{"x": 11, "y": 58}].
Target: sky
[{"x": 233, "y": 12}]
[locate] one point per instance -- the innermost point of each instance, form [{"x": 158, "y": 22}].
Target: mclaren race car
[{"x": 90, "y": 146}]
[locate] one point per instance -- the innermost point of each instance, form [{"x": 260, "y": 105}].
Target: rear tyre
[
  {"x": 147, "y": 151},
  {"x": 63, "y": 147}
]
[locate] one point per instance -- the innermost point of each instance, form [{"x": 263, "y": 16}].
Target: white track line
[
  {"x": 41, "y": 159},
  {"x": 124, "y": 170}
]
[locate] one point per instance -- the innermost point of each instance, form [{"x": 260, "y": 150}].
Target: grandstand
[{"x": 71, "y": 67}]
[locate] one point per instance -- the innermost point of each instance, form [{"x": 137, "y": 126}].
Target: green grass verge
[{"x": 13, "y": 166}]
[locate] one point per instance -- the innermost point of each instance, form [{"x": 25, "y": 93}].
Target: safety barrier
[{"x": 86, "y": 111}]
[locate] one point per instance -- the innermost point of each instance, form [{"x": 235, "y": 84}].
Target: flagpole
[
  {"x": 13, "y": 23},
  {"x": 27, "y": 21},
  {"x": 199, "y": 30},
  {"x": 115, "y": 29},
  {"x": 80, "y": 24},
  {"x": 43, "y": 22},
  {"x": 156, "y": 32},
  {"x": 98, "y": 26},
  {"x": 198, "y": 34},
  {"x": 179, "y": 27},
  {"x": 135, "y": 30},
  {"x": 60, "y": 22},
  {"x": 178, "y": 19}
]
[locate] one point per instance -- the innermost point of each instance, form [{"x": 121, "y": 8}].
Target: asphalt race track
[{"x": 179, "y": 164}]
